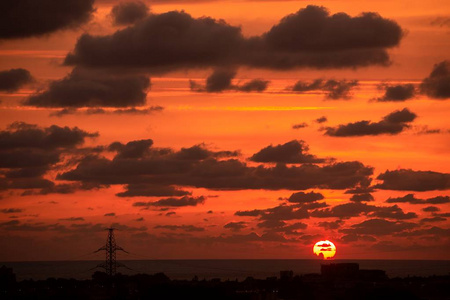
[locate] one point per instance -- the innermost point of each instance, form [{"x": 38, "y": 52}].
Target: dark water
[{"x": 224, "y": 269}]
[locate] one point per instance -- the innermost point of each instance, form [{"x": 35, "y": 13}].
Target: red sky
[{"x": 225, "y": 129}]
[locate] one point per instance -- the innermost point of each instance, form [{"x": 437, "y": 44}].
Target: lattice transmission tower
[{"x": 111, "y": 264}]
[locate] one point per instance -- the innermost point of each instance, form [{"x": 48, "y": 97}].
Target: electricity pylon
[{"x": 110, "y": 265}]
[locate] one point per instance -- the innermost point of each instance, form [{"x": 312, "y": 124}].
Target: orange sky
[{"x": 53, "y": 221}]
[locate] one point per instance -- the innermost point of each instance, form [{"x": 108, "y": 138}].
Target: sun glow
[{"x": 325, "y": 249}]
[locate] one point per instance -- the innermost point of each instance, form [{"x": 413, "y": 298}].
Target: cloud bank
[
  {"x": 312, "y": 37},
  {"x": 30, "y": 18}
]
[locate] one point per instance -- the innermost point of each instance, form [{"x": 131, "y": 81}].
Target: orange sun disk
[{"x": 326, "y": 249}]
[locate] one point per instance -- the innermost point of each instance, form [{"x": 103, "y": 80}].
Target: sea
[{"x": 226, "y": 269}]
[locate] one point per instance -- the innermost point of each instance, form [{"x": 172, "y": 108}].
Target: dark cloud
[
  {"x": 11, "y": 210},
  {"x": 70, "y": 111},
  {"x": 361, "y": 190},
  {"x": 331, "y": 225},
  {"x": 309, "y": 239},
  {"x": 378, "y": 227},
  {"x": 300, "y": 125},
  {"x": 301, "y": 86},
  {"x": 200, "y": 152},
  {"x": 27, "y": 152},
  {"x": 16, "y": 225},
  {"x": 138, "y": 111},
  {"x": 441, "y": 21},
  {"x": 276, "y": 226},
  {"x": 392, "y": 212},
  {"x": 99, "y": 227},
  {"x": 410, "y": 180},
  {"x": 28, "y": 18},
  {"x": 355, "y": 209},
  {"x": 321, "y": 120},
  {"x": 312, "y": 28},
  {"x": 293, "y": 152},
  {"x": 249, "y": 213},
  {"x": 424, "y": 129},
  {"x": 302, "y": 197},
  {"x": 254, "y": 85},
  {"x": 22, "y": 135},
  {"x": 224, "y": 174},
  {"x": 199, "y": 167},
  {"x": 188, "y": 228},
  {"x": 388, "y": 246},
  {"x": 33, "y": 168},
  {"x": 146, "y": 190},
  {"x": 221, "y": 80},
  {"x": 437, "y": 84},
  {"x": 397, "y": 93},
  {"x": 445, "y": 215},
  {"x": 164, "y": 42},
  {"x": 309, "y": 38},
  {"x": 13, "y": 79},
  {"x": 85, "y": 89},
  {"x": 9, "y": 223},
  {"x": 339, "y": 89},
  {"x": 195, "y": 86},
  {"x": 400, "y": 116},
  {"x": 393, "y": 123},
  {"x": 218, "y": 81},
  {"x": 276, "y": 215},
  {"x": 343, "y": 211},
  {"x": 64, "y": 188},
  {"x": 110, "y": 215},
  {"x": 361, "y": 197},
  {"x": 72, "y": 219},
  {"x": 431, "y": 209},
  {"x": 313, "y": 205},
  {"x": 271, "y": 223},
  {"x": 433, "y": 220},
  {"x": 349, "y": 238},
  {"x": 127, "y": 228},
  {"x": 126, "y": 13},
  {"x": 235, "y": 226},
  {"x": 433, "y": 231},
  {"x": 313, "y": 37},
  {"x": 438, "y": 200},
  {"x": 292, "y": 228},
  {"x": 133, "y": 149},
  {"x": 410, "y": 198},
  {"x": 27, "y": 183},
  {"x": 173, "y": 202},
  {"x": 101, "y": 111},
  {"x": 334, "y": 89}
]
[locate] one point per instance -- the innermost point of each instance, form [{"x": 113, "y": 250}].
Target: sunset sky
[{"x": 224, "y": 129}]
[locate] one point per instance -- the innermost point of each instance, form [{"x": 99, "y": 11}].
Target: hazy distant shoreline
[{"x": 220, "y": 268}]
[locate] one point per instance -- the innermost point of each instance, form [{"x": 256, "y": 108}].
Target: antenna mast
[{"x": 110, "y": 265}]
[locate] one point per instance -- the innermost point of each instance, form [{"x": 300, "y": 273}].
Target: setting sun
[{"x": 325, "y": 248}]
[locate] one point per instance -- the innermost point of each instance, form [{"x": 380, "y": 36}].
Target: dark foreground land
[{"x": 336, "y": 281}]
